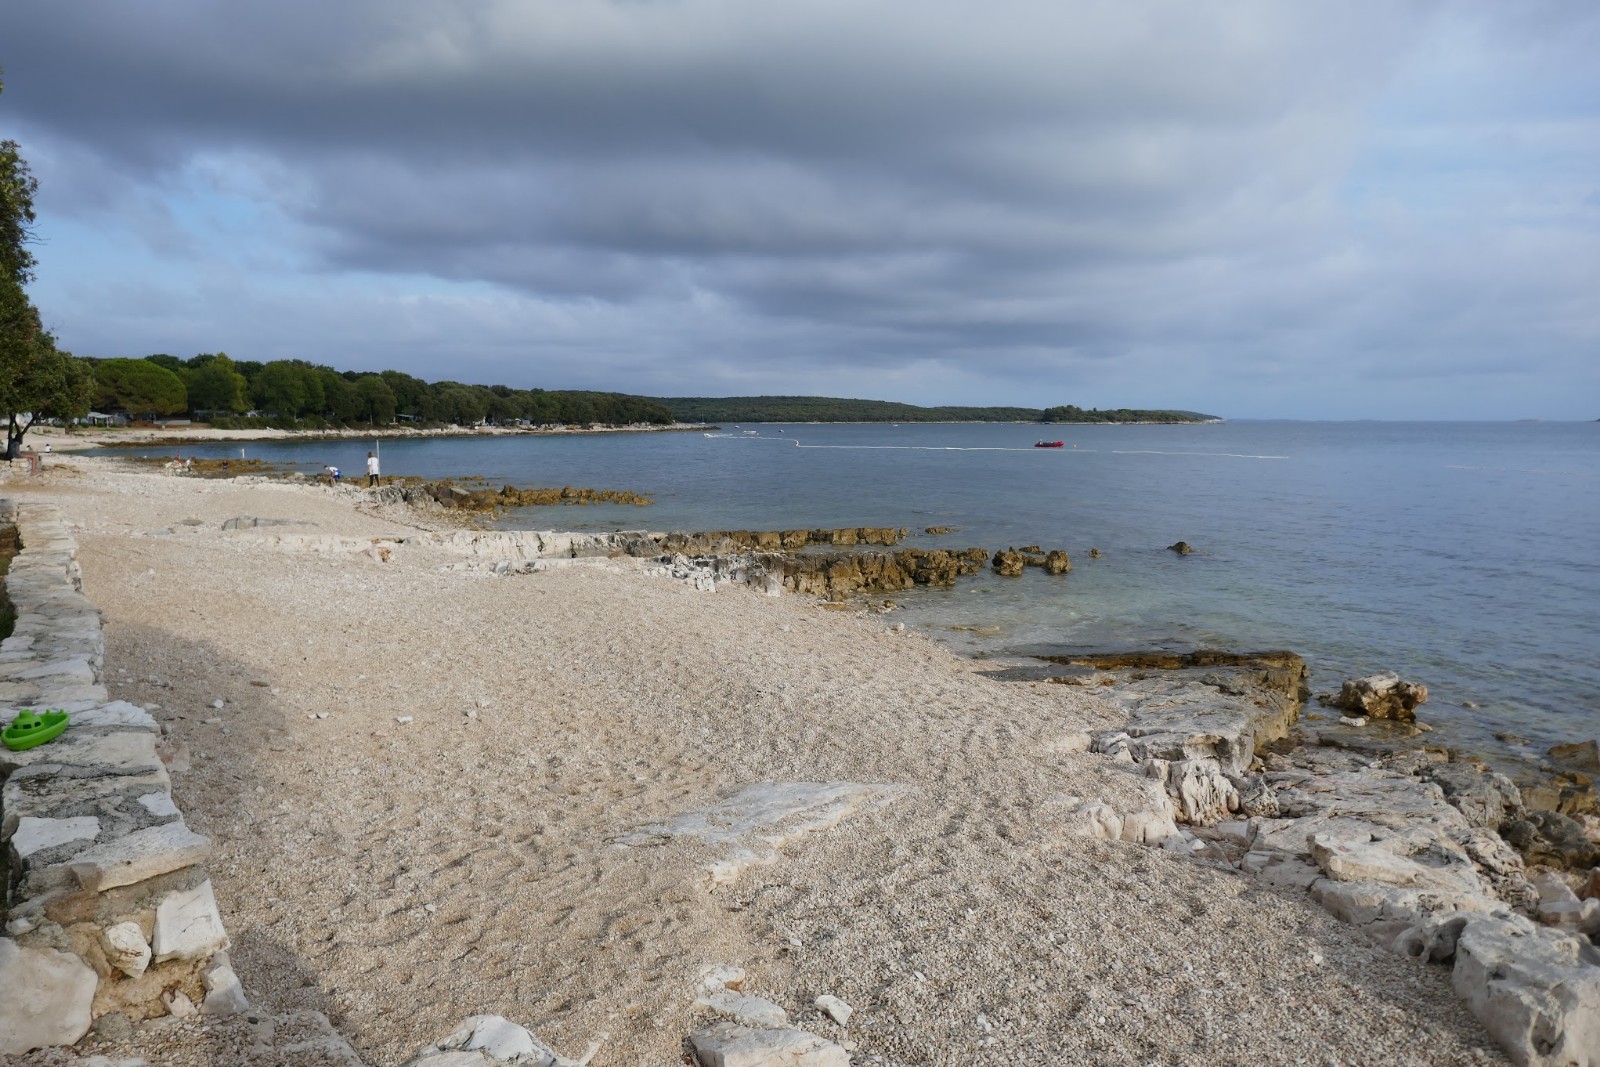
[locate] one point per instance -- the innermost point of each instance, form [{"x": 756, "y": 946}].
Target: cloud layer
[{"x": 1318, "y": 209}]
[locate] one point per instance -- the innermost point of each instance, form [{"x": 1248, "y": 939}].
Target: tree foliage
[
  {"x": 36, "y": 379},
  {"x": 139, "y": 387}
]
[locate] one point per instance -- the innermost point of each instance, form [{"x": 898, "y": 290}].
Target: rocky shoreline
[{"x": 651, "y": 823}]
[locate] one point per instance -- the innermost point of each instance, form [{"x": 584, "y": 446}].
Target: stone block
[
  {"x": 140, "y": 855},
  {"x": 188, "y": 925}
]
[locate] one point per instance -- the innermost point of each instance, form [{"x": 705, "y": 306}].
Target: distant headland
[{"x": 834, "y": 409}]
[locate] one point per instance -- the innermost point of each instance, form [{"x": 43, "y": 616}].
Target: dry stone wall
[{"x": 107, "y": 906}]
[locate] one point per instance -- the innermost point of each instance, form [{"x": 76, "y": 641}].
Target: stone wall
[{"x": 107, "y": 908}]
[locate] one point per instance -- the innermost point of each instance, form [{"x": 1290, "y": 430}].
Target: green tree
[
  {"x": 412, "y": 396},
  {"x": 139, "y": 387},
  {"x": 377, "y": 404},
  {"x": 288, "y": 388},
  {"x": 36, "y": 379},
  {"x": 339, "y": 400},
  {"x": 216, "y": 385}
]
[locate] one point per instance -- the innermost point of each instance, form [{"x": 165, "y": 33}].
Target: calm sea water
[{"x": 1463, "y": 555}]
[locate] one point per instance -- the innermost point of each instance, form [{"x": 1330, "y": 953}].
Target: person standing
[{"x": 372, "y": 468}]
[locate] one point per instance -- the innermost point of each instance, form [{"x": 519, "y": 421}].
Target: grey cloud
[{"x": 840, "y": 184}]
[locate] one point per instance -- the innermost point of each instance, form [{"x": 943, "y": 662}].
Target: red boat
[{"x": 1049, "y": 444}]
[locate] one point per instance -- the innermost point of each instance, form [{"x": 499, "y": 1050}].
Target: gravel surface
[{"x": 399, "y": 876}]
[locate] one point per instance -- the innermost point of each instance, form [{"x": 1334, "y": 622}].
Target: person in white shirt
[{"x": 372, "y": 468}]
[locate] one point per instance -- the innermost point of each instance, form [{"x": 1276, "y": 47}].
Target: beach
[{"x": 435, "y": 792}]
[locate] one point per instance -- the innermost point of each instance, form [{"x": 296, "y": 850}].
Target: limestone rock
[
  {"x": 1582, "y": 916},
  {"x": 1382, "y": 696},
  {"x": 224, "y": 993},
  {"x": 483, "y": 1040},
  {"x": 140, "y": 855},
  {"x": 753, "y": 823},
  {"x": 837, "y": 1009},
  {"x": 1551, "y": 838},
  {"x": 1202, "y": 793},
  {"x": 756, "y": 1012},
  {"x": 125, "y": 948},
  {"x": 730, "y": 1045},
  {"x": 1483, "y": 796},
  {"x": 1531, "y": 990},
  {"x": 45, "y": 997},
  {"x": 1056, "y": 561},
  {"x": 188, "y": 925},
  {"x": 36, "y": 835},
  {"x": 1180, "y": 547}
]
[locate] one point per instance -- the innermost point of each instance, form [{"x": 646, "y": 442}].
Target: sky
[{"x": 1356, "y": 209}]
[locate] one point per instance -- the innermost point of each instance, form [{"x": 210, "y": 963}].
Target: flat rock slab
[
  {"x": 140, "y": 855},
  {"x": 729, "y": 1045},
  {"x": 88, "y": 747},
  {"x": 760, "y": 819}
]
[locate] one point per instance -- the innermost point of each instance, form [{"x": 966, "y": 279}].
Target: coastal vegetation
[
  {"x": 834, "y": 409},
  {"x": 36, "y": 379}
]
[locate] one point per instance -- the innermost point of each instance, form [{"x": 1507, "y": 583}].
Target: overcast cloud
[{"x": 1258, "y": 209}]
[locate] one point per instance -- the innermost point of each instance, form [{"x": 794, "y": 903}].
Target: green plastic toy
[{"x": 28, "y": 730}]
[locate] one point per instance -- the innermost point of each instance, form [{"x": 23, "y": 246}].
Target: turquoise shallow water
[{"x": 1462, "y": 555}]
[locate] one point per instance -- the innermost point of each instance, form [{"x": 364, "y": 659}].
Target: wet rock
[
  {"x": 1569, "y": 792},
  {"x": 1582, "y": 755},
  {"x": 836, "y": 576},
  {"x": 1382, "y": 696},
  {"x": 1553, "y": 839},
  {"x": 1008, "y": 563},
  {"x": 1056, "y": 561},
  {"x": 1180, "y": 547}
]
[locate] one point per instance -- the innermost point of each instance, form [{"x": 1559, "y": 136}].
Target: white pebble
[
  {"x": 403, "y": 719},
  {"x": 210, "y": 722},
  {"x": 837, "y": 1009},
  {"x": 217, "y": 703}
]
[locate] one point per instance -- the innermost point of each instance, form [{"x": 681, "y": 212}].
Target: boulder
[
  {"x": 1180, "y": 547},
  {"x": 1531, "y": 990},
  {"x": 45, "y": 997},
  {"x": 1382, "y": 696}
]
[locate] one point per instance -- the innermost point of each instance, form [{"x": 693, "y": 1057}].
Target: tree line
[
  {"x": 294, "y": 392},
  {"x": 836, "y": 409}
]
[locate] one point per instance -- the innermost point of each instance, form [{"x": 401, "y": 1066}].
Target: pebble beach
[{"x": 434, "y": 792}]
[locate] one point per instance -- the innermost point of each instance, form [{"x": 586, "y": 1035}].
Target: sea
[{"x": 1465, "y": 556}]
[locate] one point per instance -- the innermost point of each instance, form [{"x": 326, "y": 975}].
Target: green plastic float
[{"x": 28, "y": 730}]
